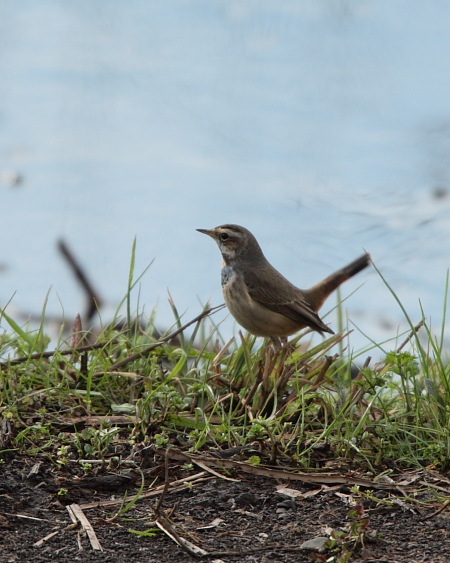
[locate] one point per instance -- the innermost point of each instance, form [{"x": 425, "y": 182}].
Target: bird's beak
[{"x": 210, "y": 233}]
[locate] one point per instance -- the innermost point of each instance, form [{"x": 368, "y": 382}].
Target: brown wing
[{"x": 280, "y": 299}]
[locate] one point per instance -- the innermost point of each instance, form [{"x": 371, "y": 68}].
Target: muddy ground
[{"x": 245, "y": 519}]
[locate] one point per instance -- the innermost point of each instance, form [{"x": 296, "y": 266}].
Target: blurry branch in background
[
  {"x": 82, "y": 340},
  {"x": 94, "y": 302}
]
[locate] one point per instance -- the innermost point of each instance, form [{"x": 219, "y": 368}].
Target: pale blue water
[{"x": 323, "y": 126}]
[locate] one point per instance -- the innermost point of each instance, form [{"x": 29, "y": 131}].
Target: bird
[{"x": 260, "y": 298}]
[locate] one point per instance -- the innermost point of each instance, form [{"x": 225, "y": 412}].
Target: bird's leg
[{"x": 278, "y": 342}]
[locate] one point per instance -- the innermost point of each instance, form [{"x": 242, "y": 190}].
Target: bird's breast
[
  {"x": 228, "y": 275},
  {"x": 250, "y": 314}
]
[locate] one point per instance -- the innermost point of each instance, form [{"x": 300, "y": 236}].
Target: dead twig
[
  {"x": 157, "y": 508},
  {"x": 50, "y": 353},
  {"x": 437, "y": 512},
  {"x": 317, "y": 478},
  {"x": 164, "y": 523},
  {"x": 41, "y": 542},
  {"x": 77, "y": 513},
  {"x": 410, "y": 335},
  {"x": 178, "y": 485},
  {"x": 166, "y": 526}
]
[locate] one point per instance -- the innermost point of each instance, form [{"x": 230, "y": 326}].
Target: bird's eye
[{"x": 224, "y": 237}]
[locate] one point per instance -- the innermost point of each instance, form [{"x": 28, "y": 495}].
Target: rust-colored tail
[{"x": 318, "y": 294}]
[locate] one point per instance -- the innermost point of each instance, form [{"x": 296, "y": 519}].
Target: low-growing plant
[{"x": 190, "y": 388}]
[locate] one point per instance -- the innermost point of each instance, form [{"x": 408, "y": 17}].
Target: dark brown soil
[{"x": 256, "y": 523}]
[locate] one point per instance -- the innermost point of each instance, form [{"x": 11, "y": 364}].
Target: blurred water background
[{"x": 323, "y": 126}]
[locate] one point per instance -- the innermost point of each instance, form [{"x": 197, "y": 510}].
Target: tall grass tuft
[{"x": 130, "y": 384}]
